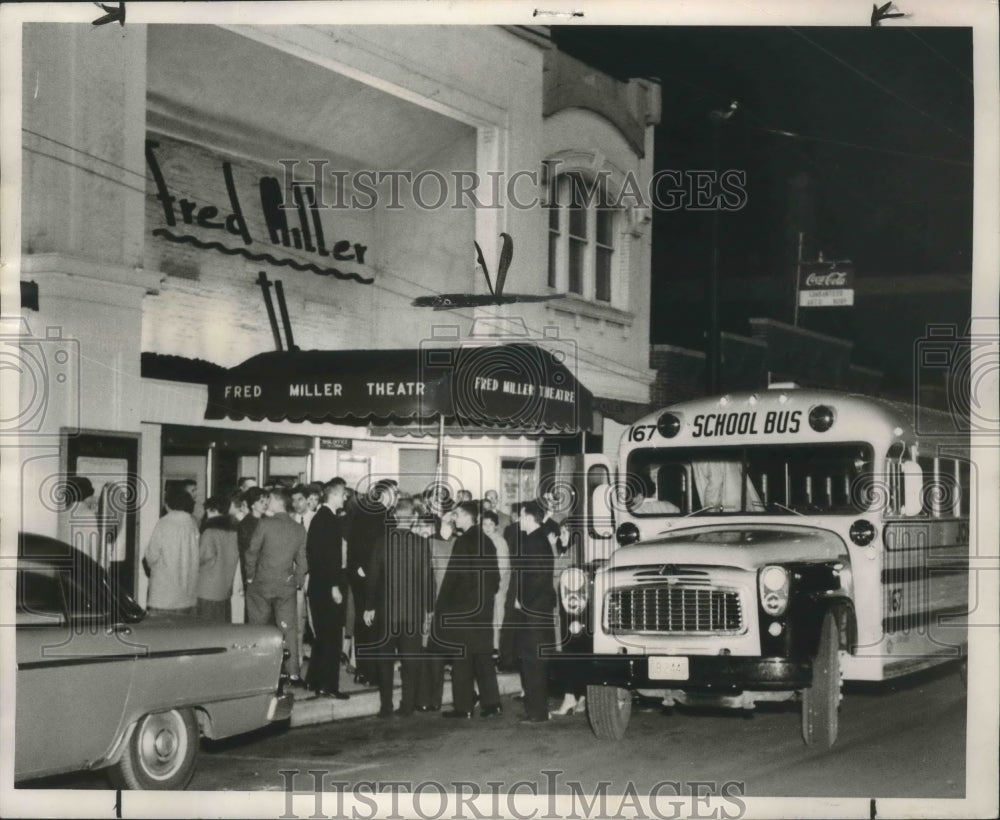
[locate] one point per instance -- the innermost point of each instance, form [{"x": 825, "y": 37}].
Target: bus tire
[
  {"x": 821, "y": 701},
  {"x": 608, "y": 710}
]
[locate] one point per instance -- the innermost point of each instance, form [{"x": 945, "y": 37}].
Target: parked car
[{"x": 100, "y": 685}]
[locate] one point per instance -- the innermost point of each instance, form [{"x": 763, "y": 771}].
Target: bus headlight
[
  {"x": 573, "y": 590},
  {"x": 773, "y": 584}
]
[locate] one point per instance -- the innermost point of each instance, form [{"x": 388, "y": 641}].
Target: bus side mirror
[
  {"x": 602, "y": 520},
  {"x": 913, "y": 487}
]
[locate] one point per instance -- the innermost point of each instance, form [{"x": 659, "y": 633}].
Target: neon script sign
[{"x": 308, "y": 236}]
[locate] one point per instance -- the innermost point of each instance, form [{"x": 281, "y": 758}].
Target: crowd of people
[{"x": 375, "y": 579}]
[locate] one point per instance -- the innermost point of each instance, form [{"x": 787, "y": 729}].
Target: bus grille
[{"x": 673, "y": 610}]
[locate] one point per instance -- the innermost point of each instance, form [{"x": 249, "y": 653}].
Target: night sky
[{"x": 880, "y": 172}]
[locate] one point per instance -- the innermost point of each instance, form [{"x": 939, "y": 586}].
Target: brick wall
[{"x": 210, "y": 306}]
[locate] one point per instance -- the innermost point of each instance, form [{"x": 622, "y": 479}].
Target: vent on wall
[
  {"x": 181, "y": 268},
  {"x": 29, "y": 295}
]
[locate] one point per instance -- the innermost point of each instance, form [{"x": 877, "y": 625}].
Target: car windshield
[{"x": 816, "y": 479}]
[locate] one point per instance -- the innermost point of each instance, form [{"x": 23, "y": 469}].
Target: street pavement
[
  {"x": 905, "y": 739},
  {"x": 902, "y": 740}
]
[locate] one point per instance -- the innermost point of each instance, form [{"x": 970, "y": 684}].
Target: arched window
[{"x": 582, "y": 220}]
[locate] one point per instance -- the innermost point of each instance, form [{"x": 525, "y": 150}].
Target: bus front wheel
[
  {"x": 821, "y": 701},
  {"x": 608, "y": 710}
]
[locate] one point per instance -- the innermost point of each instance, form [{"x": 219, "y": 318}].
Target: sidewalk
[{"x": 364, "y": 702}]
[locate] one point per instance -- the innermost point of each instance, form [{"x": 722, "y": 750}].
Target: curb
[{"x": 309, "y": 711}]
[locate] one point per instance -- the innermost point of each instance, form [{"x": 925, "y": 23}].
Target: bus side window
[
  {"x": 964, "y": 488},
  {"x": 930, "y": 496},
  {"x": 946, "y": 488}
]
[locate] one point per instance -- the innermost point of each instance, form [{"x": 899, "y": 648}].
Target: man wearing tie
[
  {"x": 464, "y": 616},
  {"x": 327, "y": 590},
  {"x": 533, "y": 601}
]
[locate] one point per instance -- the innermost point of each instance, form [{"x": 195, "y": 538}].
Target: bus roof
[{"x": 860, "y": 411}]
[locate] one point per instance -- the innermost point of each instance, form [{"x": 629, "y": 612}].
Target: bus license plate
[{"x": 664, "y": 668}]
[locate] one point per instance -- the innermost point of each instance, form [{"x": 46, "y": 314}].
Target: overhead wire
[
  {"x": 592, "y": 358},
  {"x": 863, "y": 147},
  {"x": 763, "y": 126},
  {"x": 938, "y": 54},
  {"x": 878, "y": 85}
]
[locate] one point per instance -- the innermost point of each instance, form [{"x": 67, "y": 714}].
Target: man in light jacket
[
  {"x": 276, "y": 569},
  {"x": 172, "y": 556}
]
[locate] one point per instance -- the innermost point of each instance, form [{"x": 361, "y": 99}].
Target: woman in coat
[{"x": 218, "y": 558}]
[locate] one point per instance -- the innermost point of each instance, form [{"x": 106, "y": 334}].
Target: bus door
[{"x": 598, "y": 508}]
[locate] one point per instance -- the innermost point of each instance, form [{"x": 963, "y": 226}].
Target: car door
[{"x": 74, "y": 671}]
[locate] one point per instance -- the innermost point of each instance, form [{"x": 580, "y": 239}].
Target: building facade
[
  {"x": 176, "y": 174},
  {"x": 774, "y": 353}
]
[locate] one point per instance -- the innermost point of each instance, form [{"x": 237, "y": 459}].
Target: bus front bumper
[{"x": 689, "y": 672}]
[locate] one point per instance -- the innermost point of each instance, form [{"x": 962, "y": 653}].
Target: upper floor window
[{"x": 581, "y": 225}]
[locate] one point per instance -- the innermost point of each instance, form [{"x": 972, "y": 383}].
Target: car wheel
[
  {"x": 821, "y": 701},
  {"x": 609, "y": 709},
  {"x": 161, "y": 752}
]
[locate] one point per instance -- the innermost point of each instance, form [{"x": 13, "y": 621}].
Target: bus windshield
[{"x": 815, "y": 479}]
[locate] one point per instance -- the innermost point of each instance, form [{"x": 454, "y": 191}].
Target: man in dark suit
[
  {"x": 399, "y": 593},
  {"x": 430, "y": 687},
  {"x": 532, "y": 612},
  {"x": 464, "y": 616},
  {"x": 507, "y": 661},
  {"x": 327, "y": 590},
  {"x": 551, "y": 526},
  {"x": 371, "y": 518}
]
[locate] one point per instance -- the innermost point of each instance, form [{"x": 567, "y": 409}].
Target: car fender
[{"x": 114, "y": 753}]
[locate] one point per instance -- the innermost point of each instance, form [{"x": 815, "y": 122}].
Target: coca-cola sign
[
  {"x": 826, "y": 284},
  {"x": 824, "y": 275},
  {"x": 833, "y": 279}
]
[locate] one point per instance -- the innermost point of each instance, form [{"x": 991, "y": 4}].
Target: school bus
[{"x": 767, "y": 546}]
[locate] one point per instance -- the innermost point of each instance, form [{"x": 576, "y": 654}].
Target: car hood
[{"x": 741, "y": 547}]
